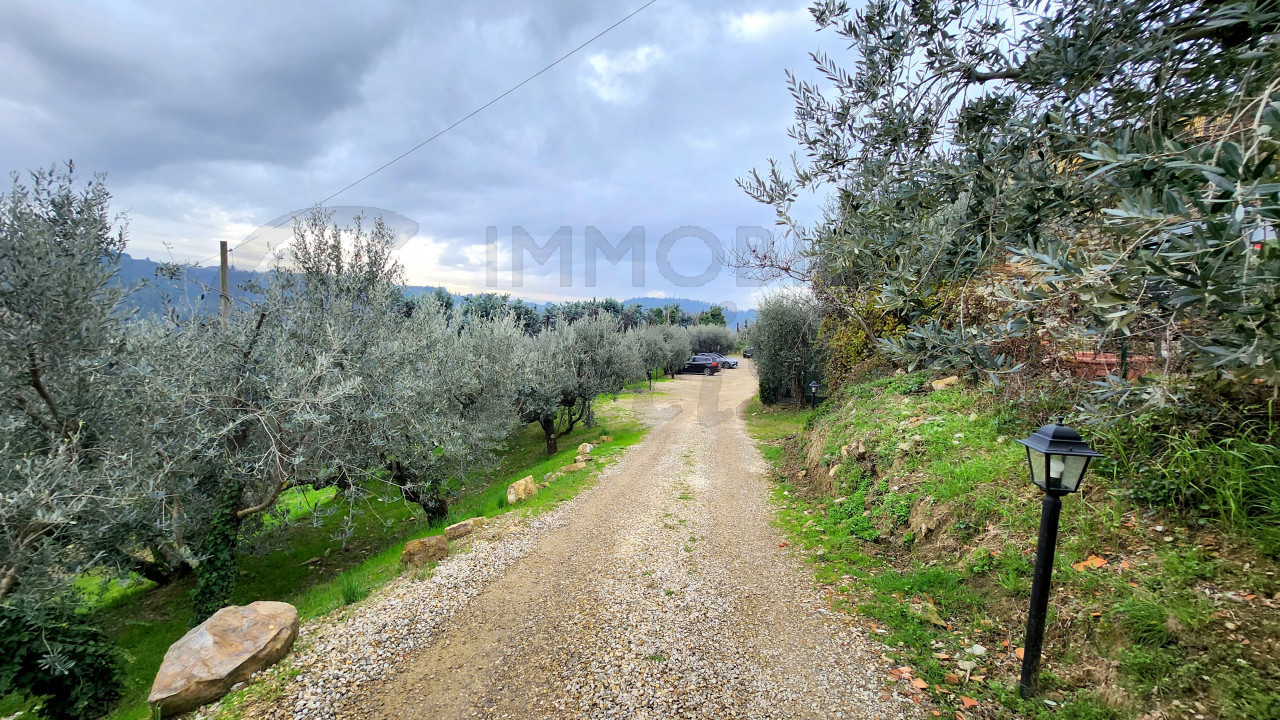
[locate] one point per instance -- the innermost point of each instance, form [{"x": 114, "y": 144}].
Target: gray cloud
[{"x": 214, "y": 118}]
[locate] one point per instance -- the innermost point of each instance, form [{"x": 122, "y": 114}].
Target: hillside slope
[{"x": 916, "y": 511}]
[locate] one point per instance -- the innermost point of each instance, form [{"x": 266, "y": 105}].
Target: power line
[{"x": 465, "y": 118}]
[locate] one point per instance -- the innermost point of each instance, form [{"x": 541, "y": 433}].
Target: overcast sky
[{"x": 212, "y": 119}]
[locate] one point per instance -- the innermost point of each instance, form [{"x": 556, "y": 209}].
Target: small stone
[
  {"x": 583, "y": 459},
  {"x": 457, "y": 530},
  {"x": 945, "y": 382},
  {"x": 522, "y": 489},
  {"x": 585, "y": 448},
  {"x": 572, "y": 467},
  {"x": 1230, "y": 625},
  {"x": 976, "y": 650},
  {"x": 424, "y": 550}
]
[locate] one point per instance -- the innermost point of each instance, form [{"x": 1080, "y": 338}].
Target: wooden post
[{"x": 222, "y": 282}]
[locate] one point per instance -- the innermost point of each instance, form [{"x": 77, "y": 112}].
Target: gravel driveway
[{"x": 660, "y": 593}]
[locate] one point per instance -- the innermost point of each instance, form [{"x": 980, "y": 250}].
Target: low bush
[{"x": 51, "y": 652}]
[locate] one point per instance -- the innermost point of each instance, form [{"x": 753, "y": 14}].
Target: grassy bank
[
  {"x": 915, "y": 510},
  {"x": 301, "y": 561}
]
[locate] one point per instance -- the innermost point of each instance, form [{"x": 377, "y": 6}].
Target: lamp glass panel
[
  {"x": 1037, "y": 461},
  {"x": 1072, "y": 470}
]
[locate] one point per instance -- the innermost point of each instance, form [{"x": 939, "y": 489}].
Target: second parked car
[{"x": 725, "y": 362}]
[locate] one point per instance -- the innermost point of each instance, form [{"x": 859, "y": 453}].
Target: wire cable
[{"x": 458, "y": 122}]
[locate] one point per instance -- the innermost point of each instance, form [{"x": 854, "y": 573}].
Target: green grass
[
  {"x": 146, "y": 619},
  {"x": 1154, "y": 616}
]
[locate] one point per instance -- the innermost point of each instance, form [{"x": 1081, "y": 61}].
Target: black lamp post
[
  {"x": 813, "y": 393},
  {"x": 1058, "y": 457}
]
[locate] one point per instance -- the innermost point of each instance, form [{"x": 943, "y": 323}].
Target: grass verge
[{"x": 914, "y": 509}]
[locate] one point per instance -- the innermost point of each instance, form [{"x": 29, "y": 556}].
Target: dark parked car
[
  {"x": 748, "y": 351},
  {"x": 704, "y": 364},
  {"x": 725, "y": 362}
]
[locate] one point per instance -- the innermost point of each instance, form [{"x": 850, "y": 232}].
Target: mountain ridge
[{"x": 197, "y": 291}]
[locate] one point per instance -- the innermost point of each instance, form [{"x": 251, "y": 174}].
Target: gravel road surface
[{"x": 663, "y": 592}]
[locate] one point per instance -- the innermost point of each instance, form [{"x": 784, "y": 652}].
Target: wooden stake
[{"x": 222, "y": 282}]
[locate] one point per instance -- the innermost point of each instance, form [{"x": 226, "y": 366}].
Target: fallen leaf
[
  {"x": 942, "y": 656},
  {"x": 968, "y": 702},
  {"x": 1020, "y": 652},
  {"x": 919, "y": 684},
  {"x": 784, "y": 544},
  {"x": 960, "y": 716},
  {"x": 1250, "y": 597},
  {"x": 1093, "y": 561},
  {"x": 952, "y": 679}
]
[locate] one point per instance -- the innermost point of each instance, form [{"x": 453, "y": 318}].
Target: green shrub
[
  {"x": 768, "y": 393},
  {"x": 49, "y": 651}
]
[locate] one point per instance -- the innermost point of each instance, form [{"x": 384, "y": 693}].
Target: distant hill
[
  {"x": 197, "y": 291},
  {"x": 693, "y": 306}
]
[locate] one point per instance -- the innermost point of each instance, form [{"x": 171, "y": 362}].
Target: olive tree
[
  {"x": 650, "y": 344},
  {"x": 568, "y": 367},
  {"x": 679, "y": 346},
  {"x": 65, "y": 489},
  {"x": 329, "y": 377},
  {"x": 711, "y": 338},
  {"x": 1080, "y": 174},
  {"x": 69, "y": 494},
  {"x": 785, "y": 338}
]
